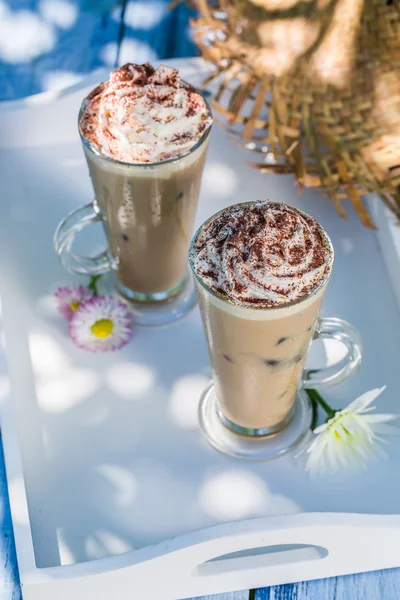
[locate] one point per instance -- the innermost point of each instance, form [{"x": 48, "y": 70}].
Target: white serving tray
[{"x": 113, "y": 491}]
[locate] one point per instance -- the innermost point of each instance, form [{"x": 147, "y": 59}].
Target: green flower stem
[
  {"x": 93, "y": 284},
  {"x": 316, "y": 398},
  {"x": 314, "y": 408}
]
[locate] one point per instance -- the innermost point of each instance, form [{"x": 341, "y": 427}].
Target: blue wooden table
[{"x": 50, "y": 44}]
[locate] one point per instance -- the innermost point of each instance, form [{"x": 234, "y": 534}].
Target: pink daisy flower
[
  {"x": 69, "y": 299},
  {"x": 102, "y": 323}
]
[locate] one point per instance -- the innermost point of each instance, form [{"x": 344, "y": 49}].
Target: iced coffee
[
  {"x": 145, "y": 135},
  {"x": 261, "y": 270}
]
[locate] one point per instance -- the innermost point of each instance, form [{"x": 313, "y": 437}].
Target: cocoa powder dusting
[
  {"x": 262, "y": 254},
  {"x": 127, "y": 117}
]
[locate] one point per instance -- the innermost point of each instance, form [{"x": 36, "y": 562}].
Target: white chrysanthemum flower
[
  {"x": 350, "y": 437},
  {"x": 101, "y": 323}
]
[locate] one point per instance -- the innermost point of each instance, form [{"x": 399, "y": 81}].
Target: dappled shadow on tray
[{"x": 113, "y": 457}]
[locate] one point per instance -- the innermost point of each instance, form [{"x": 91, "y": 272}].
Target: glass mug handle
[
  {"x": 64, "y": 238},
  {"x": 347, "y": 334}
]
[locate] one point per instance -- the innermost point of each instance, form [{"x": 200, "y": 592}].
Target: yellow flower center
[
  {"x": 102, "y": 328},
  {"x": 337, "y": 435},
  {"x": 74, "y": 305}
]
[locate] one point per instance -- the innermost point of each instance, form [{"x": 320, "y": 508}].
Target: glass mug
[
  {"x": 257, "y": 358},
  {"x": 148, "y": 213}
]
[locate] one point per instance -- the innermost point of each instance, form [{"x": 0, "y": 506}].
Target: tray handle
[
  {"x": 228, "y": 557},
  {"x": 280, "y": 553},
  {"x": 246, "y": 552}
]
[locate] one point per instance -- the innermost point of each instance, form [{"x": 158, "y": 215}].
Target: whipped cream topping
[
  {"x": 262, "y": 254},
  {"x": 144, "y": 115}
]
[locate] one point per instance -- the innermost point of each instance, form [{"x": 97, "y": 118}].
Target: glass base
[
  {"x": 163, "y": 307},
  {"x": 253, "y": 445}
]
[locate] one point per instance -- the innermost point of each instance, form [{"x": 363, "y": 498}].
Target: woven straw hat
[{"x": 313, "y": 87}]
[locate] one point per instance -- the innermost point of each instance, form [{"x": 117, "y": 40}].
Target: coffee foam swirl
[
  {"x": 262, "y": 254},
  {"x": 144, "y": 115}
]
